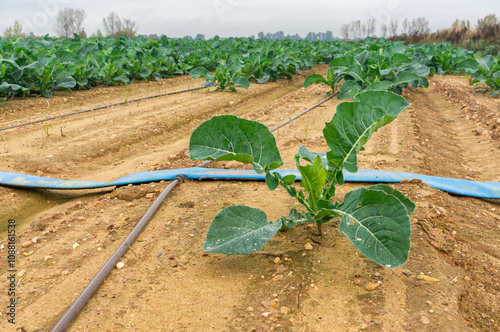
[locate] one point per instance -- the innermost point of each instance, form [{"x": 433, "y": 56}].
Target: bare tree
[
  {"x": 70, "y": 21},
  {"x": 112, "y": 24},
  {"x": 418, "y": 27},
  {"x": 129, "y": 28},
  {"x": 405, "y": 26},
  {"x": 394, "y": 28},
  {"x": 114, "y": 27},
  {"x": 344, "y": 31},
  {"x": 383, "y": 30},
  {"x": 370, "y": 27},
  {"x": 363, "y": 30},
  {"x": 15, "y": 31},
  {"x": 355, "y": 29}
]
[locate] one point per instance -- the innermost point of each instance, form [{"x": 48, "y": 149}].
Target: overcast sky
[{"x": 242, "y": 18}]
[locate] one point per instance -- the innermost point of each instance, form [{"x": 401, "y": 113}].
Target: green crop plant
[
  {"x": 375, "y": 219},
  {"x": 485, "y": 70},
  {"x": 223, "y": 77}
]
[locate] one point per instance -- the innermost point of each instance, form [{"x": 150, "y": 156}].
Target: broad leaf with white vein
[
  {"x": 228, "y": 137},
  {"x": 354, "y": 123}
]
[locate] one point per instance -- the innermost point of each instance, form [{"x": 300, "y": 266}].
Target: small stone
[
  {"x": 81, "y": 219},
  {"x": 284, "y": 310},
  {"x": 467, "y": 279},
  {"x": 266, "y": 304},
  {"x": 377, "y": 274},
  {"x": 308, "y": 246},
  {"x": 363, "y": 327},
  {"x": 371, "y": 286},
  {"x": 407, "y": 326},
  {"x": 277, "y": 260},
  {"x": 150, "y": 195},
  {"x": 21, "y": 274},
  {"x": 265, "y": 314},
  {"x": 278, "y": 277},
  {"x": 25, "y": 254},
  {"x": 65, "y": 272},
  {"x": 250, "y": 309},
  {"x": 171, "y": 256},
  {"x": 357, "y": 282},
  {"x": 26, "y": 244},
  {"x": 35, "y": 239},
  {"x": 120, "y": 265},
  {"x": 407, "y": 273},
  {"x": 75, "y": 245},
  {"x": 424, "y": 320},
  {"x": 428, "y": 302},
  {"x": 47, "y": 258},
  {"x": 130, "y": 204}
]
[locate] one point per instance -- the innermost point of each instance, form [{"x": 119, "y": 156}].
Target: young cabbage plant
[
  {"x": 223, "y": 77},
  {"x": 375, "y": 219}
]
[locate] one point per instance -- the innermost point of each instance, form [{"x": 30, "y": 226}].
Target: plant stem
[{"x": 320, "y": 229}]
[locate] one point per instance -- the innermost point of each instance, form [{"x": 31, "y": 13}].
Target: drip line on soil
[
  {"x": 92, "y": 287},
  {"x": 70, "y": 315},
  {"x": 101, "y": 107}
]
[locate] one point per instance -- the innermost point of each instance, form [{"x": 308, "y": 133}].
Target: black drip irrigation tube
[
  {"x": 89, "y": 291},
  {"x": 70, "y": 315},
  {"x": 101, "y": 107}
]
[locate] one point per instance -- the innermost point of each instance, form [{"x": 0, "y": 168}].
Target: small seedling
[
  {"x": 46, "y": 128},
  {"x": 375, "y": 219}
]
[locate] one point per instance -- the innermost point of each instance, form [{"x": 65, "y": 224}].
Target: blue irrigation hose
[{"x": 456, "y": 186}]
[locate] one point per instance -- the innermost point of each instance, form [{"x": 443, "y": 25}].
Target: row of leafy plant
[
  {"x": 41, "y": 66},
  {"x": 393, "y": 67}
]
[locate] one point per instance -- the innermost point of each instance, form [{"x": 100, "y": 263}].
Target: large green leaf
[
  {"x": 378, "y": 225},
  {"x": 67, "y": 57},
  {"x": 468, "y": 66},
  {"x": 67, "y": 82},
  {"x": 239, "y": 230},
  {"x": 241, "y": 82},
  {"x": 349, "y": 89},
  {"x": 201, "y": 72},
  {"x": 228, "y": 137},
  {"x": 354, "y": 123},
  {"x": 409, "y": 205},
  {"x": 487, "y": 62},
  {"x": 399, "y": 59},
  {"x": 314, "y": 78}
]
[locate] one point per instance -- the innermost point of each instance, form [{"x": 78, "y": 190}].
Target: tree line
[{"x": 69, "y": 21}]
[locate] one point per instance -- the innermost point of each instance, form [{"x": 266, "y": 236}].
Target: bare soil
[{"x": 169, "y": 284}]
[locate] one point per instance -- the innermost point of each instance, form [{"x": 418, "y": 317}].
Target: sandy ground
[{"x": 169, "y": 284}]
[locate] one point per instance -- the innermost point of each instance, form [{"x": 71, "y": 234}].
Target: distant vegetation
[{"x": 484, "y": 37}]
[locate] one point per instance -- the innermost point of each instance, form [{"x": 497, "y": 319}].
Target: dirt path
[{"x": 169, "y": 283}]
